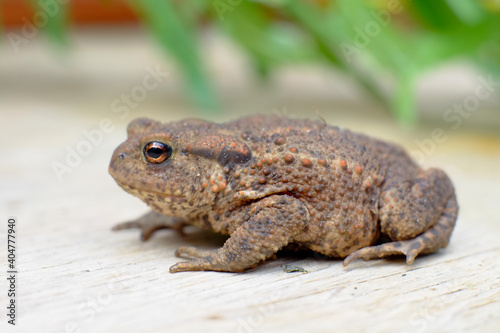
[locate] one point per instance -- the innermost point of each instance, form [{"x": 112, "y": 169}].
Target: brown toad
[{"x": 271, "y": 182}]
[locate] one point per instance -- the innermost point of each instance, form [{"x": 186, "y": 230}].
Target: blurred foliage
[
  {"x": 57, "y": 21},
  {"x": 175, "y": 30},
  {"x": 367, "y": 39}
]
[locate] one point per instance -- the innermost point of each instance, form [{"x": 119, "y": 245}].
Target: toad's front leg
[
  {"x": 273, "y": 223},
  {"x": 151, "y": 222}
]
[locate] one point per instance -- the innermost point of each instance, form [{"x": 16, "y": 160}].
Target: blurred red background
[{"x": 12, "y": 12}]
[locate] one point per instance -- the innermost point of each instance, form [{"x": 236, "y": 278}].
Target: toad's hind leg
[
  {"x": 276, "y": 220},
  {"x": 423, "y": 197},
  {"x": 428, "y": 242}
]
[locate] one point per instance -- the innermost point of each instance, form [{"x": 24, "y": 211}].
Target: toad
[{"x": 270, "y": 182}]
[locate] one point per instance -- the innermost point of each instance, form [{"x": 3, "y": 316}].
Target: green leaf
[
  {"x": 330, "y": 32},
  {"x": 488, "y": 57},
  {"x": 268, "y": 42},
  {"x": 177, "y": 37},
  {"x": 56, "y": 23},
  {"x": 434, "y": 14},
  {"x": 383, "y": 41},
  {"x": 469, "y": 12},
  {"x": 436, "y": 48}
]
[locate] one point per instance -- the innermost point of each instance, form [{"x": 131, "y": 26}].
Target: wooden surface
[{"x": 78, "y": 276}]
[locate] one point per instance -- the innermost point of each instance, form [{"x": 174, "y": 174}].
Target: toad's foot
[
  {"x": 410, "y": 248},
  {"x": 151, "y": 222},
  {"x": 428, "y": 242}
]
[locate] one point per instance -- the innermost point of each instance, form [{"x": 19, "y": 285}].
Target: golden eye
[{"x": 157, "y": 152}]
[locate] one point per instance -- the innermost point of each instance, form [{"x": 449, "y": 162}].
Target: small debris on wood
[{"x": 294, "y": 269}]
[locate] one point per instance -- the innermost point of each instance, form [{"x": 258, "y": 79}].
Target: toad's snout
[{"x": 119, "y": 162}]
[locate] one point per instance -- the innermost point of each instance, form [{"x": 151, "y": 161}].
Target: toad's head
[{"x": 177, "y": 168}]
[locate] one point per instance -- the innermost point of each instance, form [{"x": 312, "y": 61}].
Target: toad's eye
[{"x": 157, "y": 152}]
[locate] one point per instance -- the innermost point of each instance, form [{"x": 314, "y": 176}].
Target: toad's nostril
[{"x": 122, "y": 156}]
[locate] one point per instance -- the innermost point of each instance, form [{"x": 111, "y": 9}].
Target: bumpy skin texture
[{"x": 271, "y": 182}]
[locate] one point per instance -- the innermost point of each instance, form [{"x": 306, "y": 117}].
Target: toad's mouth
[{"x": 145, "y": 192}]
